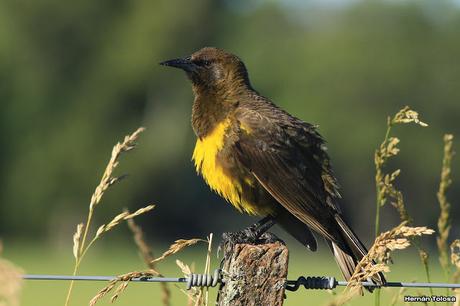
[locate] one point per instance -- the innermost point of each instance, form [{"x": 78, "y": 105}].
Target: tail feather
[
  {"x": 349, "y": 258},
  {"x": 348, "y": 250},
  {"x": 296, "y": 228},
  {"x": 356, "y": 246},
  {"x": 346, "y": 263}
]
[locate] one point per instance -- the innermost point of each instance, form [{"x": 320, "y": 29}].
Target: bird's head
[{"x": 212, "y": 69}]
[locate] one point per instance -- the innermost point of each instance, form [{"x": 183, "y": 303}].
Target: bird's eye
[{"x": 203, "y": 63}]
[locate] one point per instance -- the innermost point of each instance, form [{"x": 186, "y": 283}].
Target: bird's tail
[{"x": 348, "y": 257}]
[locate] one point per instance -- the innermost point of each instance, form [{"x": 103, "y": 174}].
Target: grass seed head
[
  {"x": 77, "y": 240},
  {"x": 177, "y": 246},
  {"x": 406, "y": 115}
]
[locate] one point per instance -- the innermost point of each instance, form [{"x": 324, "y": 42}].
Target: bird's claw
[{"x": 247, "y": 236}]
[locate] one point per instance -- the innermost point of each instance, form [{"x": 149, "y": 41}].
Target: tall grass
[
  {"x": 377, "y": 259},
  {"x": 455, "y": 261},
  {"x": 10, "y": 282},
  {"x": 386, "y": 190},
  {"x": 80, "y": 243},
  {"x": 199, "y": 297},
  {"x": 146, "y": 253},
  {"x": 444, "y": 222},
  {"x": 384, "y": 182}
]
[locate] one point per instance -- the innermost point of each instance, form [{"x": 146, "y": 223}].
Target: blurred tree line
[{"x": 75, "y": 77}]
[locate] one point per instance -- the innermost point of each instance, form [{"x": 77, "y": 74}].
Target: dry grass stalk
[
  {"x": 146, "y": 254},
  {"x": 455, "y": 253},
  {"x": 118, "y": 291},
  {"x": 144, "y": 250},
  {"x": 198, "y": 296},
  {"x": 398, "y": 296},
  {"x": 419, "y": 293},
  {"x": 104, "y": 228},
  {"x": 76, "y": 240},
  {"x": 177, "y": 246},
  {"x": 203, "y": 296},
  {"x": 195, "y": 292},
  {"x": 384, "y": 182},
  {"x": 107, "y": 179},
  {"x": 406, "y": 115},
  {"x": 207, "y": 269},
  {"x": 423, "y": 256},
  {"x": 455, "y": 260},
  {"x": 398, "y": 238},
  {"x": 395, "y": 195},
  {"x": 183, "y": 267},
  {"x": 124, "y": 279},
  {"x": 457, "y": 297},
  {"x": 192, "y": 301},
  {"x": 444, "y": 223},
  {"x": 79, "y": 246},
  {"x": 124, "y": 216},
  {"x": 10, "y": 283}
]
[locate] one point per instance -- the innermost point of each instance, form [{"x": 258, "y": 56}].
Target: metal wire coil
[
  {"x": 312, "y": 282},
  {"x": 204, "y": 280}
]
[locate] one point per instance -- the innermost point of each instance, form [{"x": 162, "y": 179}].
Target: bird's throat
[{"x": 207, "y": 113}]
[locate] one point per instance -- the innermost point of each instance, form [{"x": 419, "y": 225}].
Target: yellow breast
[{"x": 204, "y": 156}]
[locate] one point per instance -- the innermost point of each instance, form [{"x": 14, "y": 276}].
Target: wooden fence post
[{"x": 254, "y": 274}]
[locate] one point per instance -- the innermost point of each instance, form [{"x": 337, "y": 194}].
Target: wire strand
[
  {"x": 323, "y": 282},
  {"x": 211, "y": 280}
]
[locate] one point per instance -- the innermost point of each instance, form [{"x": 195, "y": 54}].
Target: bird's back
[{"x": 277, "y": 130}]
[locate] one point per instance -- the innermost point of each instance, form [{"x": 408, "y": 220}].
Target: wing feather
[{"x": 291, "y": 171}]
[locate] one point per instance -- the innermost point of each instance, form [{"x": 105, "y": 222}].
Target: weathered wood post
[{"x": 254, "y": 274}]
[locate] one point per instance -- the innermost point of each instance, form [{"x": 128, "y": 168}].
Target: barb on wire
[
  {"x": 323, "y": 282},
  {"x": 193, "y": 280},
  {"x": 311, "y": 282}
]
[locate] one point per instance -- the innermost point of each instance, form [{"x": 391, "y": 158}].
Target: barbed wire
[
  {"x": 193, "y": 280},
  {"x": 212, "y": 280},
  {"x": 327, "y": 282}
]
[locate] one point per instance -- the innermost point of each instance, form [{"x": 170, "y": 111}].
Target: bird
[{"x": 263, "y": 160}]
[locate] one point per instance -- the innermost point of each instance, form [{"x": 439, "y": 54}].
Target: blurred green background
[{"x": 75, "y": 77}]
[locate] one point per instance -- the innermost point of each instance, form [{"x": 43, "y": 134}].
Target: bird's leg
[
  {"x": 254, "y": 234},
  {"x": 259, "y": 228}
]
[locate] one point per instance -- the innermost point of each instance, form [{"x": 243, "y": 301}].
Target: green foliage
[{"x": 76, "y": 76}]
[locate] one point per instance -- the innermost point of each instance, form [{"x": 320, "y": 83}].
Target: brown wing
[{"x": 287, "y": 157}]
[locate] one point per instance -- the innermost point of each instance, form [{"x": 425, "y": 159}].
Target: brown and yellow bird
[{"x": 263, "y": 160}]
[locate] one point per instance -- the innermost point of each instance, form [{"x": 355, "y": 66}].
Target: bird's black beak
[{"x": 182, "y": 63}]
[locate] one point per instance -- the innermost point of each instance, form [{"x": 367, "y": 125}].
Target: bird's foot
[
  {"x": 248, "y": 236},
  {"x": 255, "y": 234}
]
